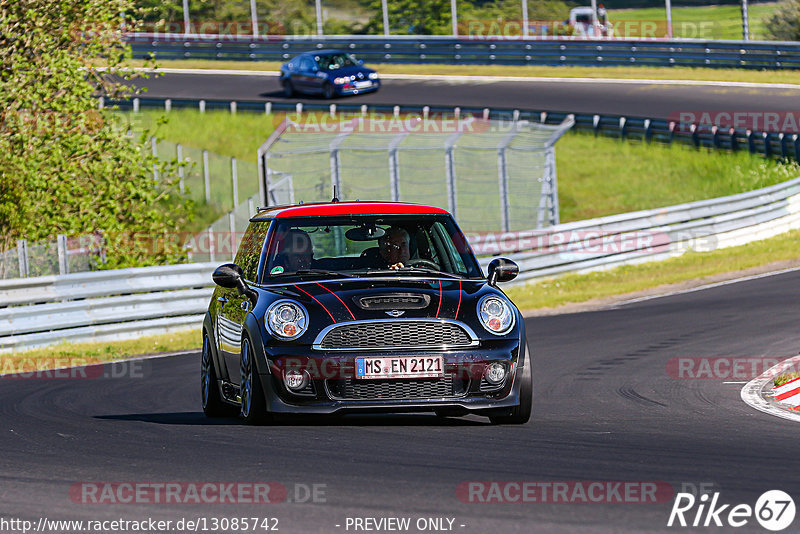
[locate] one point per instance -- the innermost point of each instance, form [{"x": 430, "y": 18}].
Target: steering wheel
[{"x": 422, "y": 262}]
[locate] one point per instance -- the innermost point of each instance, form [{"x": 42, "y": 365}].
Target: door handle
[
  {"x": 245, "y": 305},
  {"x": 222, "y": 299}
]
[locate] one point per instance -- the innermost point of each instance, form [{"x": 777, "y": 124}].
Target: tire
[
  {"x": 521, "y": 413},
  {"x": 288, "y": 88},
  {"x": 213, "y": 405},
  {"x": 327, "y": 91},
  {"x": 254, "y": 408}
]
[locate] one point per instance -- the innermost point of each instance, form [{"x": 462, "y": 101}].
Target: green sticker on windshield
[{"x": 276, "y": 270}]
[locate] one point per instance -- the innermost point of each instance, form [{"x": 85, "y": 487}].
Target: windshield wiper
[
  {"x": 320, "y": 271},
  {"x": 413, "y": 269}
]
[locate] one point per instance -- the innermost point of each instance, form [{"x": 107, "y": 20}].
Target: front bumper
[
  {"x": 332, "y": 377},
  {"x": 348, "y": 89}
]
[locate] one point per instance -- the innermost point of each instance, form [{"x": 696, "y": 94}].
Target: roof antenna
[{"x": 335, "y": 194}]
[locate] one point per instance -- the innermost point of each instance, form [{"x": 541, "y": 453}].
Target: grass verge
[
  {"x": 81, "y": 354},
  {"x": 577, "y": 288},
  {"x": 699, "y": 22},
  {"x": 526, "y": 71}
]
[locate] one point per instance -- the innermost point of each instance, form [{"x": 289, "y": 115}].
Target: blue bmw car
[{"x": 328, "y": 73}]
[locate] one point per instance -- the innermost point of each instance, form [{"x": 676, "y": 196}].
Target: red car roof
[{"x": 349, "y": 208}]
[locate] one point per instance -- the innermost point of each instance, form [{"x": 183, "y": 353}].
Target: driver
[
  {"x": 295, "y": 251},
  {"x": 394, "y": 247}
]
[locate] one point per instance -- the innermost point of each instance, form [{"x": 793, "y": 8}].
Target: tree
[
  {"x": 784, "y": 23},
  {"x": 65, "y": 166}
]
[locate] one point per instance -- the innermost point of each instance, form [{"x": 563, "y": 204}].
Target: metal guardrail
[
  {"x": 770, "y": 144},
  {"x": 101, "y": 305},
  {"x": 564, "y": 51},
  {"x": 128, "y": 303},
  {"x": 649, "y": 235}
]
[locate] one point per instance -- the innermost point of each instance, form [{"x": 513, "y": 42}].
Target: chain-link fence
[
  {"x": 492, "y": 175},
  {"x": 60, "y": 256}
]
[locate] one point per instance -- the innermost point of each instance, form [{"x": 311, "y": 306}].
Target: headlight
[
  {"x": 340, "y": 81},
  {"x": 286, "y": 319},
  {"x": 495, "y": 314},
  {"x": 373, "y": 75}
]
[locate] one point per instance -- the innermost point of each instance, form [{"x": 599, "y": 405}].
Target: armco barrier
[
  {"x": 132, "y": 302},
  {"x": 489, "y": 50},
  {"x": 103, "y": 305}
]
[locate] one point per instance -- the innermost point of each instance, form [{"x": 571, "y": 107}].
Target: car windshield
[
  {"x": 336, "y": 61},
  {"x": 369, "y": 245}
]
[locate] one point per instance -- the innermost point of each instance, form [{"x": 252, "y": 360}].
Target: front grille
[
  {"x": 395, "y": 334},
  {"x": 397, "y": 389}
]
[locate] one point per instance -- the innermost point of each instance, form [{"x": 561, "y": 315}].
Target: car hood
[{"x": 364, "y": 299}]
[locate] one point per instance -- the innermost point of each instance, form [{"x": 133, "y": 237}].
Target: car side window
[{"x": 250, "y": 249}]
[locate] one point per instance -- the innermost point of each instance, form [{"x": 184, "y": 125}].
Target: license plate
[
  {"x": 397, "y": 367},
  {"x": 361, "y": 85}
]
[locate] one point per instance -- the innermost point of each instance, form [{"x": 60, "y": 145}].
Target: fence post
[
  {"x": 211, "y": 248},
  {"x": 232, "y": 228},
  {"x": 622, "y": 127},
  {"x": 206, "y": 177},
  {"x": 154, "y": 148},
  {"x": 502, "y": 176},
  {"x": 168, "y": 104},
  {"x": 268, "y": 108},
  {"x": 648, "y": 132},
  {"x": 751, "y": 141},
  {"x": 695, "y": 135},
  {"x": 233, "y": 107},
  {"x": 450, "y": 169},
  {"x": 61, "y": 246},
  {"x": 235, "y": 183},
  {"x": 596, "y": 124},
  {"x": 136, "y": 105},
  {"x": 734, "y": 140},
  {"x": 767, "y": 144},
  {"x": 782, "y": 141},
  {"x": 179, "y": 154},
  {"x": 202, "y": 106},
  {"x": 22, "y": 257}
]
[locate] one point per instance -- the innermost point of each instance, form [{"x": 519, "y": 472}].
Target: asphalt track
[
  {"x": 605, "y": 409},
  {"x": 632, "y": 99}
]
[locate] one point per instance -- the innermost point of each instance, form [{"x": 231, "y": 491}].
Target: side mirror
[
  {"x": 502, "y": 270},
  {"x": 231, "y": 276}
]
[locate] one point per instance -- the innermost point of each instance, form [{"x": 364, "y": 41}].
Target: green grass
[
  {"x": 573, "y": 288},
  {"x": 601, "y": 176},
  {"x": 81, "y": 354},
  {"x": 650, "y": 73},
  {"x": 708, "y": 22},
  {"x": 783, "y": 378}
]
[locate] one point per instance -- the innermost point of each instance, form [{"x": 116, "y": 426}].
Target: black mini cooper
[{"x": 362, "y": 307}]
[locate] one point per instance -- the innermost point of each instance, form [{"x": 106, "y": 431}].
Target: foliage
[
  {"x": 783, "y": 378},
  {"x": 784, "y": 24},
  {"x": 65, "y": 166}
]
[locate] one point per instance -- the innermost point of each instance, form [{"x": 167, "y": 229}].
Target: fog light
[
  {"x": 295, "y": 380},
  {"x": 496, "y": 373}
]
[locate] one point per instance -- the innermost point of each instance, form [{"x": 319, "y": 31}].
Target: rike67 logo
[{"x": 774, "y": 510}]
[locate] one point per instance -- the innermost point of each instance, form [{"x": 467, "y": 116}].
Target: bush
[
  {"x": 65, "y": 166},
  {"x": 784, "y": 24}
]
